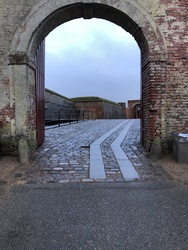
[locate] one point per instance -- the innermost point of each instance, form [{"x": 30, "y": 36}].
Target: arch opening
[
  {"x": 149, "y": 40},
  {"x": 87, "y": 11},
  {"x": 93, "y": 58}
]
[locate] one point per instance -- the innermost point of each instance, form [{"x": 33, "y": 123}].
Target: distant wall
[
  {"x": 55, "y": 102},
  {"x": 90, "y": 110},
  {"x": 98, "y": 108},
  {"x": 113, "y": 111},
  {"x": 58, "y": 106}
]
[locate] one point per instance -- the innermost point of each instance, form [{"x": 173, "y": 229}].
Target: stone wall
[
  {"x": 57, "y": 106},
  {"x": 158, "y": 26}
]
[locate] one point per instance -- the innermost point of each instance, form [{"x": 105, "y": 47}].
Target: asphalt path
[{"x": 100, "y": 216}]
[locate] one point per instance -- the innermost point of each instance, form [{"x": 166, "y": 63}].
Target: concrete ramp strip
[
  {"x": 128, "y": 171},
  {"x": 97, "y": 170}
]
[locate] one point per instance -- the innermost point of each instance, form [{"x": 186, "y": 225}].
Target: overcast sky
[{"x": 93, "y": 58}]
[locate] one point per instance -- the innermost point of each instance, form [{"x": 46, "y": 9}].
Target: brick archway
[{"x": 45, "y": 16}]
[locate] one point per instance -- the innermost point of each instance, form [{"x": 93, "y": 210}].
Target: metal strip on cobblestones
[
  {"x": 128, "y": 171},
  {"x": 97, "y": 170}
]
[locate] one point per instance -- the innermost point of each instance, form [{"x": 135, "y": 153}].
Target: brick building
[
  {"x": 99, "y": 108},
  {"x": 133, "y": 110}
]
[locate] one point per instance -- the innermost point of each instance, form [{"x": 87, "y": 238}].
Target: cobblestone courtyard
[{"x": 65, "y": 155}]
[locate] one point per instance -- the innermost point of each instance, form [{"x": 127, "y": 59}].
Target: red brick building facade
[
  {"x": 98, "y": 108},
  {"x": 133, "y": 110}
]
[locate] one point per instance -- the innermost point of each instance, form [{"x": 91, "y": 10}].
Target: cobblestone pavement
[{"x": 65, "y": 155}]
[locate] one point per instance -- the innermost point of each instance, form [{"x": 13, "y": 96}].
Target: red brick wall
[
  {"x": 100, "y": 110},
  {"x": 165, "y": 83},
  {"x": 131, "y": 110},
  {"x": 90, "y": 110}
]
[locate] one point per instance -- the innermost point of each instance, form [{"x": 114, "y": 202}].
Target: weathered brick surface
[
  {"x": 158, "y": 26},
  {"x": 90, "y": 110},
  {"x": 100, "y": 109},
  {"x": 131, "y": 110}
]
